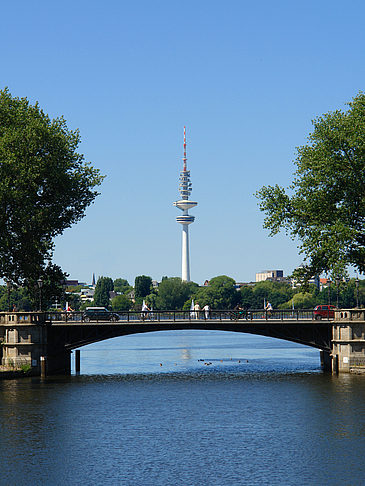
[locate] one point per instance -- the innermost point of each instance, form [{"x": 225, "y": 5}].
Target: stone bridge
[{"x": 33, "y": 337}]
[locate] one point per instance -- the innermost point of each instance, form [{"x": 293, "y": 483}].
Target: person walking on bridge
[
  {"x": 268, "y": 309},
  {"x": 206, "y": 310},
  {"x": 197, "y": 310},
  {"x": 145, "y": 310}
]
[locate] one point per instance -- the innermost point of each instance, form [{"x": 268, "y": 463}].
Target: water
[{"x": 186, "y": 408}]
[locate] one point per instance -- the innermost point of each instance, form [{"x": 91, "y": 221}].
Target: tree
[
  {"x": 326, "y": 207},
  {"x": 122, "y": 286},
  {"x": 121, "y": 303},
  {"x": 220, "y": 294},
  {"x": 142, "y": 286},
  {"x": 45, "y": 186},
  {"x": 300, "y": 300},
  {"x": 104, "y": 285},
  {"x": 173, "y": 292},
  {"x": 53, "y": 279}
]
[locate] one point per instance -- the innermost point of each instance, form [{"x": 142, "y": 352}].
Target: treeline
[
  {"x": 173, "y": 293},
  {"x": 222, "y": 293}
]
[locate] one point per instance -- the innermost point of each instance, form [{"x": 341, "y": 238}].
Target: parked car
[
  {"x": 99, "y": 314},
  {"x": 324, "y": 312}
]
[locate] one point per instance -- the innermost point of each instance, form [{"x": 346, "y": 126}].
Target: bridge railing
[{"x": 253, "y": 315}]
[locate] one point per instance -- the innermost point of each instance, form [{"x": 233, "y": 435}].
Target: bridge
[{"x": 36, "y": 338}]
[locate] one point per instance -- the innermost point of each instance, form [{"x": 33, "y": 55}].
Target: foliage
[
  {"x": 326, "y": 210},
  {"x": 173, "y": 292},
  {"x": 104, "y": 285},
  {"x": 221, "y": 293},
  {"x": 45, "y": 186},
  {"x": 282, "y": 296},
  {"x": 122, "y": 286},
  {"x": 25, "y": 368},
  {"x": 300, "y": 300},
  {"x": 18, "y": 297},
  {"x": 52, "y": 286},
  {"x": 74, "y": 301},
  {"x": 142, "y": 286},
  {"x": 121, "y": 303}
]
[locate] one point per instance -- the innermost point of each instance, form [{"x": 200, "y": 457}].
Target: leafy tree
[
  {"x": 53, "y": 279},
  {"x": 255, "y": 296},
  {"x": 221, "y": 293},
  {"x": 104, "y": 285},
  {"x": 74, "y": 301},
  {"x": 326, "y": 207},
  {"x": 300, "y": 300},
  {"x": 247, "y": 297},
  {"x": 18, "y": 297},
  {"x": 173, "y": 292},
  {"x": 122, "y": 286},
  {"x": 121, "y": 303},
  {"x": 142, "y": 286},
  {"x": 45, "y": 186}
]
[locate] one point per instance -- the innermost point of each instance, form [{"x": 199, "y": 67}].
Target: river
[{"x": 189, "y": 408}]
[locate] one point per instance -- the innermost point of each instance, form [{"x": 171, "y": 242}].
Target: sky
[{"x": 245, "y": 78}]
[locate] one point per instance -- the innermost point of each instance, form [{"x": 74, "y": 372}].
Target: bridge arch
[{"x": 310, "y": 333}]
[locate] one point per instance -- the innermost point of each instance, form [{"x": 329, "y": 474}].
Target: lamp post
[
  {"x": 40, "y": 285},
  {"x": 337, "y": 285},
  {"x": 357, "y": 291},
  {"x": 8, "y": 286},
  {"x": 329, "y": 292}
]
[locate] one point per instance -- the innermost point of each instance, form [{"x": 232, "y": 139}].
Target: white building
[{"x": 274, "y": 275}]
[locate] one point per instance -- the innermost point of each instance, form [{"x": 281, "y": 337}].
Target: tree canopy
[
  {"x": 220, "y": 294},
  {"x": 45, "y": 186},
  {"x": 142, "y": 285},
  {"x": 104, "y": 285},
  {"x": 122, "y": 286},
  {"x": 325, "y": 208},
  {"x": 173, "y": 293}
]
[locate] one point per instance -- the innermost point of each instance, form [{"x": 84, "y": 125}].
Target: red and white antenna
[{"x": 184, "y": 159}]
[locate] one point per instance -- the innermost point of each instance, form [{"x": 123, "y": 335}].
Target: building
[
  {"x": 184, "y": 204},
  {"x": 87, "y": 295},
  {"x": 273, "y": 275}
]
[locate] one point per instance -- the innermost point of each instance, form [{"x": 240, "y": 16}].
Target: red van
[{"x": 324, "y": 312}]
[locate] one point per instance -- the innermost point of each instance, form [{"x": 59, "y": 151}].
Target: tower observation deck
[{"x": 184, "y": 204}]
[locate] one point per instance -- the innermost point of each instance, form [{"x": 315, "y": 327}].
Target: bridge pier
[
  {"x": 326, "y": 360},
  {"x": 348, "y": 341},
  {"x": 24, "y": 339}
]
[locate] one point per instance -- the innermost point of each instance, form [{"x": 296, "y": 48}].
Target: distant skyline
[{"x": 245, "y": 78}]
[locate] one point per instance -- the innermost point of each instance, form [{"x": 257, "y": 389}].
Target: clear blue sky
[{"x": 246, "y": 78}]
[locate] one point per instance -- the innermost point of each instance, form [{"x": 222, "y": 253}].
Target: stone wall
[{"x": 348, "y": 345}]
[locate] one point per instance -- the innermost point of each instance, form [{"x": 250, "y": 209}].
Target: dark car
[
  {"x": 99, "y": 314},
  {"x": 324, "y": 312}
]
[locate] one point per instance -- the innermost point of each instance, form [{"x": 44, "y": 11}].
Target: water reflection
[{"x": 262, "y": 413}]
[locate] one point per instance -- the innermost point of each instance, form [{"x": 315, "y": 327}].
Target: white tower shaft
[{"x": 185, "y": 261}]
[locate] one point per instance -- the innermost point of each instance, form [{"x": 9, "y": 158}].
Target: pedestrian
[
  {"x": 206, "y": 310},
  {"x": 197, "y": 310},
  {"x": 269, "y": 309},
  {"x": 145, "y": 310}
]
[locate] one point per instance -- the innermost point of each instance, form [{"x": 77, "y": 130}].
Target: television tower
[{"x": 185, "y": 219}]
